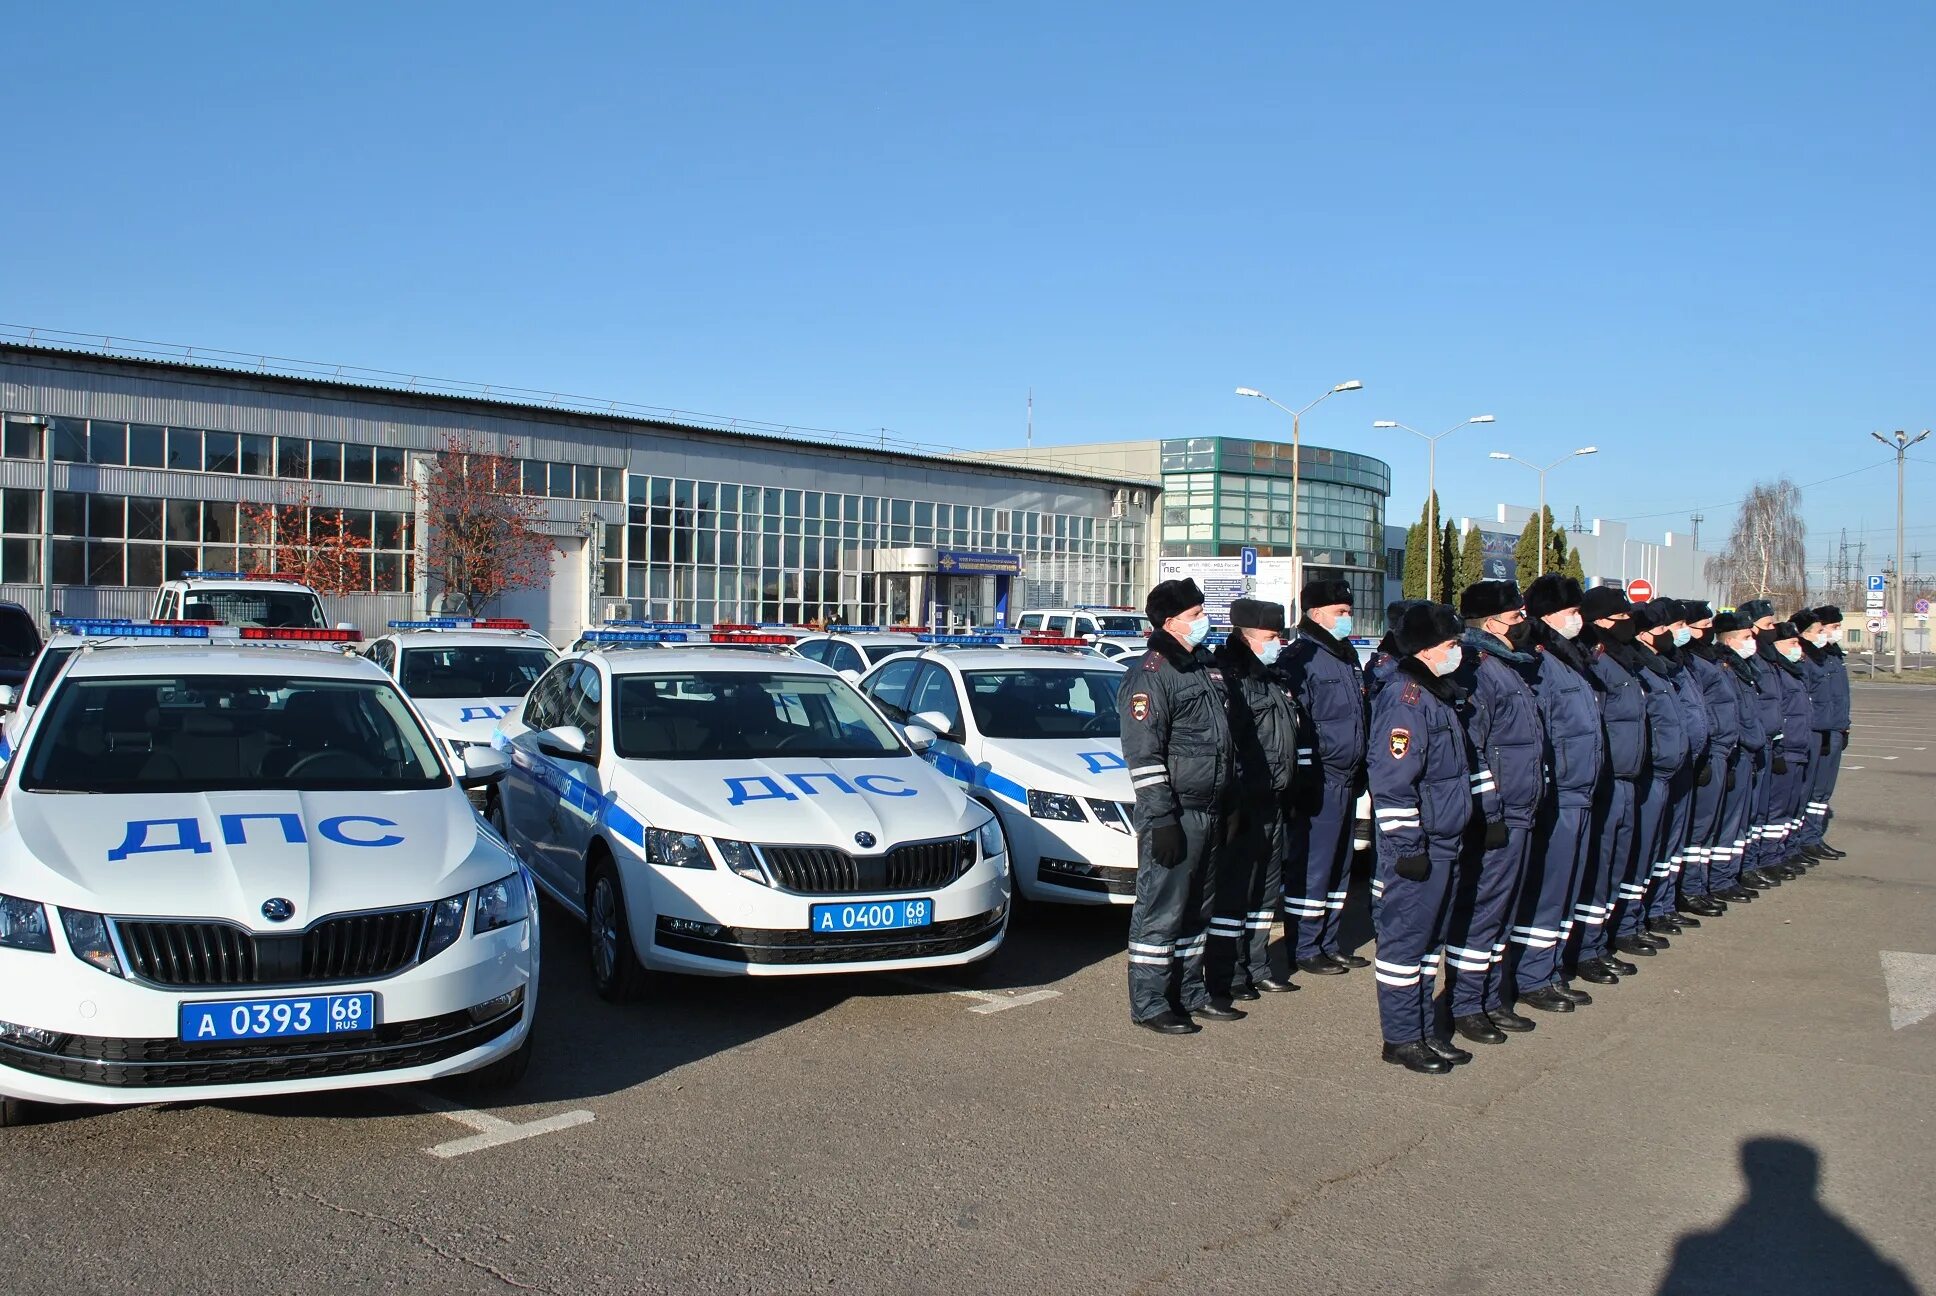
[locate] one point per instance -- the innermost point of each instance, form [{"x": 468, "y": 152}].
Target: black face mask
[
  {"x": 1765, "y": 640},
  {"x": 1520, "y": 633},
  {"x": 1622, "y": 632}
]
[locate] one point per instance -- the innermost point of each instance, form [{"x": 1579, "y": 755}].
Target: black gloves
[
  {"x": 1729, "y": 785},
  {"x": 1168, "y": 844},
  {"x": 1495, "y": 833},
  {"x": 1781, "y": 764},
  {"x": 1704, "y": 776},
  {"x": 1826, "y": 740},
  {"x": 1416, "y": 868}
]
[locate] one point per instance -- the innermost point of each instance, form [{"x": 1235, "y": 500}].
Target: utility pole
[{"x": 1900, "y": 444}]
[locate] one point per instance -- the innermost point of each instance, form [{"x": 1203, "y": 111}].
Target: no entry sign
[{"x": 1640, "y": 591}]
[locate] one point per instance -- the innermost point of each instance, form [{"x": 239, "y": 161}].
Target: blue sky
[{"x": 1694, "y": 235}]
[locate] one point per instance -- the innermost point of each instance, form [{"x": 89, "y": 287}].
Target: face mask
[
  {"x": 1792, "y": 654},
  {"x": 1451, "y": 662},
  {"x": 1341, "y": 628},
  {"x": 1681, "y": 636},
  {"x": 1622, "y": 631},
  {"x": 1571, "y": 623},
  {"x": 1518, "y": 633},
  {"x": 1835, "y": 635},
  {"x": 1199, "y": 631},
  {"x": 1745, "y": 649},
  {"x": 1268, "y": 653}
]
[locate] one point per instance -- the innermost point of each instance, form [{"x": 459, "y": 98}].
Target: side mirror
[
  {"x": 851, "y": 676},
  {"x": 567, "y": 742},
  {"x": 921, "y": 738},
  {"x": 346, "y": 625},
  {"x": 483, "y": 766},
  {"x": 933, "y": 720},
  {"x": 9, "y": 697}
]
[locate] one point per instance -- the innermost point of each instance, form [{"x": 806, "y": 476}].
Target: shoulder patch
[
  {"x": 1401, "y": 742},
  {"x": 1411, "y": 694},
  {"x": 1139, "y": 706},
  {"x": 1152, "y": 661}
]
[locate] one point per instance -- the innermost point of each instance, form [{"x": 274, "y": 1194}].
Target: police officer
[
  {"x": 1634, "y": 932},
  {"x": 1701, "y": 863},
  {"x": 1420, "y": 767},
  {"x": 1797, "y": 748},
  {"x": 1264, "y": 723},
  {"x": 1733, "y": 635},
  {"x": 1822, "y": 646},
  {"x": 1385, "y": 658},
  {"x": 1665, "y": 916},
  {"x": 1508, "y": 736},
  {"x": 1321, "y": 669},
  {"x": 1176, "y": 742},
  {"x": 1761, "y": 870},
  {"x": 1569, "y": 705},
  {"x": 1609, "y": 638}
]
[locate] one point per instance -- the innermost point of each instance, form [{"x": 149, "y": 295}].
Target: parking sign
[
  {"x": 1876, "y": 584},
  {"x": 1247, "y": 561}
]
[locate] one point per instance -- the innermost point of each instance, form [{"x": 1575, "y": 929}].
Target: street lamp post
[
  {"x": 1900, "y": 444},
  {"x": 1501, "y": 454},
  {"x": 1431, "y": 480},
  {"x": 1296, "y": 416}
]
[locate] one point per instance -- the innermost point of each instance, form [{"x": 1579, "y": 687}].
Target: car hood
[
  {"x": 1090, "y": 767},
  {"x": 222, "y": 854},
  {"x": 466, "y": 719},
  {"x": 803, "y": 801}
]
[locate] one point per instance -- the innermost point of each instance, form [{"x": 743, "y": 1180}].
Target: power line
[{"x": 1642, "y": 517}]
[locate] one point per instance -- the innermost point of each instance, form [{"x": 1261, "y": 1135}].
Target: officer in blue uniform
[
  {"x": 1176, "y": 741},
  {"x": 1609, "y": 638},
  {"x": 1822, "y": 644},
  {"x": 1569, "y": 705},
  {"x": 1498, "y": 674},
  {"x": 1420, "y": 768},
  {"x": 1798, "y": 748},
  {"x": 1321, "y": 670},
  {"x": 1665, "y": 914},
  {"x": 1757, "y": 871},
  {"x": 1666, "y": 756},
  {"x": 1265, "y": 726},
  {"x": 1702, "y": 862},
  {"x": 1734, "y": 640},
  {"x": 1384, "y": 660}
]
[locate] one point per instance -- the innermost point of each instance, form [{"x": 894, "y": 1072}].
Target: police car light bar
[
  {"x": 977, "y": 640},
  {"x": 652, "y": 625},
  {"x": 463, "y": 623},
  {"x": 633, "y": 636},
  {"x": 301, "y": 634},
  {"x": 242, "y": 576},
  {"x": 129, "y": 629},
  {"x": 1052, "y": 641},
  {"x": 847, "y": 629},
  {"x": 754, "y": 637}
]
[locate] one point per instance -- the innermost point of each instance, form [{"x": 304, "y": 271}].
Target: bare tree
[{"x": 1765, "y": 554}]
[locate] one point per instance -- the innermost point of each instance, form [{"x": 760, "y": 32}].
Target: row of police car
[{"x": 245, "y": 852}]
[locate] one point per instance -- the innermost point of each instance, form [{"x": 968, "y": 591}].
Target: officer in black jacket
[
  {"x": 1264, "y": 723},
  {"x": 1176, "y": 742}
]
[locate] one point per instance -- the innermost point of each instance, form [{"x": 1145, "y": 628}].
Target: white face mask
[
  {"x": 1681, "y": 636},
  {"x": 1268, "y": 653},
  {"x": 1792, "y": 654},
  {"x": 1571, "y": 623},
  {"x": 1449, "y": 663},
  {"x": 1745, "y": 649}
]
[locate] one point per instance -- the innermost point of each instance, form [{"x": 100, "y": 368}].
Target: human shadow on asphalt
[{"x": 1781, "y": 1240}]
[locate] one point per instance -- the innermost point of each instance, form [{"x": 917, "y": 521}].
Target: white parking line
[
  {"x": 986, "y": 1001},
  {"x": 1871, "y": 756},
  {"x": 491, "y": 1130}
]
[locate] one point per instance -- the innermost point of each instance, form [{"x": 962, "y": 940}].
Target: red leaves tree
[
  {"x": 307, "y": 544},
  {"x": 483, "y": 536}
]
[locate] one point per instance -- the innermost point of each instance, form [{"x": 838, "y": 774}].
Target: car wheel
[
  {"x": 616, "y": 972},
  {"x": 15, "y": 1111},
  {"x": 506, "y": 1071},
  {"x": 494, "y": 815}
]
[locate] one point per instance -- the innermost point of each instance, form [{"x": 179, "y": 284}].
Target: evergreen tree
[
  {"x": 1573, "y": 567},
  {"x": 1448, "y": 568},
  {"x": 1526, "y": 564},
  {"x": 1472, "y": 560},
  {"x": 1413, "y": 583}
]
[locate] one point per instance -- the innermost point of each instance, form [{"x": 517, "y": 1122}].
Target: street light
[
  {"x": 1431, "y": 480},
  {"x": 1296, "y": 415},
  {"x": 1501, "y": 454},
  {"x": 1900, "y": 445}
]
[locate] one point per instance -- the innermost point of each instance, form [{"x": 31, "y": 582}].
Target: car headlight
[
  {"x": 446, "y": 924},
  {"x": 989, "y": 838},
  {"x": 1054, "y": 805},
  {"x": 676, "y": 849},
  {"x": 87, "y": 936},
  {"x": 24, "y": 925},
  {"x": 741, "y": 859},
  {"x": 501, "y": 904}
]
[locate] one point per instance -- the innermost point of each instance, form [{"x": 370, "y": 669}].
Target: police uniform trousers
[
  {"x": 1538, "y": 937},
  {"x": 1816, "y": 811},
  {"x": 1698, "y": 857},
  {"x": 1484, "y": 900},
  {"x": 1169, "y": 927},
  {"x": 1672, "y": 854},
  {"x": 1411, "y": 924},
  {"x": 1250, "y": 873},
  {"x": 1776, "y": 815},
  {"x": 1651, "y": 809},
  {"x": 1794, "y": 818},
  {"x": 1759, "y": 832},
  {"x": 1611, "y": 860},
  {"x": 1737, "y": 819},
  {"x": 1319, "y": 869}
]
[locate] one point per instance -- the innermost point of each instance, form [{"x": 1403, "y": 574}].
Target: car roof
[
  {"x": 110, "y": 660},
  {"x": 229, "y": 583},
  {"x": 711, "y": 657},
  {"x": 1011, "y": 658},
  {"x": 468, "y": 638}
]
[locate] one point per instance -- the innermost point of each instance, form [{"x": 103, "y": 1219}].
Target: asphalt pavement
[{"x": 1743, "y": 1116}]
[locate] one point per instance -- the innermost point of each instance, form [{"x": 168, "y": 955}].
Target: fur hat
[
  {"x": 1395, "y": 611},
  {"x": 1256, "y": 614},
  {"x": 1489, "y": 598},
  {"x": 1603, "y": 601},
  {"x": 1805, "y": 618},
  {"x": 1655, "y": 613},
  {"x": 1785, "y": 630},
  {"x": 1729, "y": 622},
  {"x": 1170, "y": 598},
  {"x": 1552, "y": 593},
  {"x": 1324, "y": 593},
  {"x": 1755, "y": 609},
  {"x": 1695, "y": 610},
  {"x": 1426, "y": 625},
  {"x": 1829, "y": 615}
]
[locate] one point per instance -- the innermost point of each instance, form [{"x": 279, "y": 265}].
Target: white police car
[
  {"x": 236, "y": 598},
  {"x": 1114, "y": 630},
  {"x": 1032, "y": 733},
  {"x": 227, "y": 871},
  {"x": 464, "y": 675},
  {"x": 15, "y": 710},
  {"x": 730, "y": 813},
  {"x": 855, "y": 650}
]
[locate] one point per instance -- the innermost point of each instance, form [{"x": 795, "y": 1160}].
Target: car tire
[
  {"x": 494, "y": 815},
  {"x": 617, "y": 974},
  {"x": 15, "y": 1111},
  {"x": 506, "y": 1071}
]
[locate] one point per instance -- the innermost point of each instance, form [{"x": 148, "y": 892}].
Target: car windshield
[
  {"x": 729, "y": 715},
  {"x": 250, "y": 607},
  {"x": 1025, "y": 703},
  {"x": 878, "y": 653},
  {"x": 1124, "y": 625},
  {"x": 49, "y": 665},
  {"x": 223, "y": 733},
  {"x": 19, "y": 641},
  {"x": 473, "y": 670}
]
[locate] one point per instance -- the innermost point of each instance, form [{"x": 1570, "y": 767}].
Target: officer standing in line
[
  {"x": 1321, "y": 670},
  {"x": 1385, "y": 658},
  {"x": 1420, "y": 766},
  {"x": 1733, "y": 635},
  {"x": 1666, "y": 755},
  {"x": 1760, "y": 871},
  {"x": 1265, "y": 726},
  {"x": 1798, "y": 748},
  {"x": 1665, "y": 915},
  {"x": 1569, "y": 703},
  {"x": 1176, "y": 742},
  {"x": 1702, "y": 863},
  {"x": 1822, "y": 642},
  {"x": 1609, "y": 637},
  {"x": 1508, "y": 737}
]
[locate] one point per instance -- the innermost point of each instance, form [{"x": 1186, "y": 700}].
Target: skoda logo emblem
[
  {"x": 278, "y": 910},
  {"x": 864, "y": 840}
]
